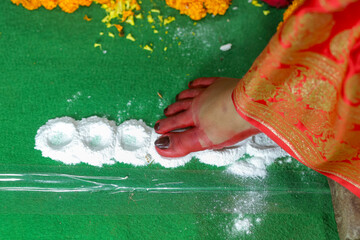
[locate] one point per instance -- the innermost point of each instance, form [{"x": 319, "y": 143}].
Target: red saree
[{"x": 303, "y": 90}]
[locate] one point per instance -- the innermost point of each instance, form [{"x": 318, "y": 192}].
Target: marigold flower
[
  {"x": 68, "y": 6},
  {"x": 217, "y": 6},
  {"x": 17, "y": 2},
  {"x": 29, "y": 4},
  {"x": 86, "y": 3},
  {"x": 49, "y": 4},
  {"x": 197, "y": 9}
]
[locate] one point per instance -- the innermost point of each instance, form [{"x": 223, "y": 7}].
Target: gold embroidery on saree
[{"x": 296, "y": 94}]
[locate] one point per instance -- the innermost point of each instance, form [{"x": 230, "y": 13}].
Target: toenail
[
  {"x": 163, "y": 142},
  {"x": 191, "y": 83},
  {"x": 157, "y": 126}
]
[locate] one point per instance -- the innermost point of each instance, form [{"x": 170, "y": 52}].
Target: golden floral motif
[
  {"x": 336, "y": 151},
  {"x": 319, "y": 26},
  {"x": 352, "y": 91},
  {"x": 296, "y": 93},
  {"x": 319, "y": 94}
]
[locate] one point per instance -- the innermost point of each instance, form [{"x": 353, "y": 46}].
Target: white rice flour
[{"x": 98, "y": 141}]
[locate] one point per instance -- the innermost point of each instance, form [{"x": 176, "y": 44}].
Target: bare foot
[{"x": 206, "y": 114}]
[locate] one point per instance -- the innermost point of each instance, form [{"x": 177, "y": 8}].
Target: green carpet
[{"x": 50, "y": 68}]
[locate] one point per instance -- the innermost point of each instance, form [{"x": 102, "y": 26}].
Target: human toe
[
  {"x": 178, "y": 121},
  {"x": 177, "y": 107},
  {"x": 189, "y": 93},
  {"x": 178, "y": 144},
  {"x": 202, "y": 82}
]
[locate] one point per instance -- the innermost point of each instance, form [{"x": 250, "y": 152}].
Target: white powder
[
  {"x": 98, "y": 141},
  {"x": 247, "y": 206},
  {"x": 226, "y": 47},
  {"x": 74, "y": 97},
  {"x": 133, "y": 141},
  {"x": 242, "y": 224},
  {"x": 264, "y": 152},
  {"x": 97, "y": 136}
]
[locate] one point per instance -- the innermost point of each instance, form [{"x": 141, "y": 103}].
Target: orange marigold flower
[
  {"x": 174, "y": 4},
  {"x": 197, "y": 9},
  {"x": 49, "y": 4},
  {"x": 194, "y": 9},
  {"x": 86, "y": 3},
  {"x": 102, "y": 1},
  {"x": 17, "y": 2},
  {"x": 217, "y": 6},
  {"x": 68, "y": 6},
  {"x": 30, "y": 4}
]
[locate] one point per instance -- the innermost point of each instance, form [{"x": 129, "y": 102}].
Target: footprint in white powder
[
  {"x": 97, "y": 141},
  {"x": 134, "y": 135},
  {"x": 96, "y": 133},
  {"x": 58, "y": 139},
  {"x": 133, "y": 142},
  {"x": 61, "y": 134}
]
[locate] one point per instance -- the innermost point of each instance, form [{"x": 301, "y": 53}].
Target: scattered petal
[
  {"x": 148, "y": 48},
  {"x": 150, "y": 19},
  {"x": 97, "y": 45},
  {"x": 169, "y": 20},
  {"x": 130, "y": 37},
  {"x": 256, "y": 3},
  {"x": 87, "y": 18},
  {"x": 139, "y": 16},
  {"x": 130, "y": 20}
]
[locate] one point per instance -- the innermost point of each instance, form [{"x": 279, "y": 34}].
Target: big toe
[{"x": 178, "y": 144}]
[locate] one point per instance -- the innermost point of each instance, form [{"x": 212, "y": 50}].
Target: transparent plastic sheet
[
  {"x": 177, "y": 185},
  {"x": 196, "y": 203}
]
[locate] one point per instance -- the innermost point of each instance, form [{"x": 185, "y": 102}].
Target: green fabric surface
[{"x": 50, "y": 68}]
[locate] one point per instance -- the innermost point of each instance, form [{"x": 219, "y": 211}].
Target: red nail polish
[
  {"x": 157, "y": 126},
  {"x": 191, "y": 83},
  {"x": 163, "y": 142}
]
